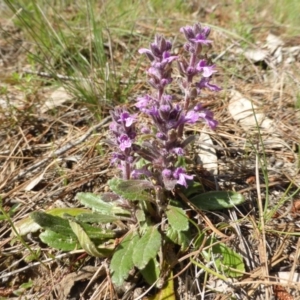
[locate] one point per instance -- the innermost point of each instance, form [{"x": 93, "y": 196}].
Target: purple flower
[
  {"x": 145, "y": 130},
  {"x": 145, "y": 101},
  {"x": 124, "y": 142},
  {"x": 159, "y": 78},
  {"x": 181, "y": 176},
  {"x": 113, "y": 126},
  {"x": 198, "y": 107},
  {"x": 204, "y": 83},
  {"x": 191, "y": 117},
  {"x": 208, "y": 117},
  {"x": 117, "y": 156},
  {"x": 178, "y": 150},
  {"x": 206, "y": 70},
  {"x": 137, "y": 173},
  {"x": 161, "y": 136},
  {"x": 166, "y": 173},
  {"x": 125, "y": 117}
]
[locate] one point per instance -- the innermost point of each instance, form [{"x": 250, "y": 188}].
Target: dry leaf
[
  {"x": 273, "y": 42},
  {"x": 283, "y": 277},
  {"x": 35, "y": 181},
  {"x": 222, "y": 286},
  {"x": 205, "y": 154},
  {"x": 85, "y": 273},
  {"x": 57, "y": 98},
  {"x": 242, "y": 111},
  {"x": 256, "y": 55}
]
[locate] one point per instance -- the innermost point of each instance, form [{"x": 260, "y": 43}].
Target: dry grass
[{"x": 46, "y": 157}]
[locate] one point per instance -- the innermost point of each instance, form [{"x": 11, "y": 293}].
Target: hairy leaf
[
  {"x": 84, "y": 240},
  {"x": 181, "y": 238},
  {"x": 97, "y": 203},
  {"x": 147, "y": 247},
  {"x": 109, "y": 197},
  {"x": 177, "y": 218},
  {"x": 28, "y": 225},
  {"x": 122, "y": 262},
  {"x": 94, "y": 232},
  {"x": 217, "y": 200},
  {"x": 53, "y": 223},
  {"x": 59, "y": 241},
  {"x": 151, "y": 271},
  {"x": 131, "y": 189},
  {"x": 62, "y": 226},
  {"x": 194, "y": 188},
  {"x": 72, "y": 211},
  {"x": 96, "y": 218}
]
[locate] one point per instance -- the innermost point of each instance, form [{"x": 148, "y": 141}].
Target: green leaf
[
  {"x": 140, "y": 216},
  {"x": 122, "y": 262},
  {"x": 151, "y": 271},
  {"x": 133, "y": 190},
  {"x": 94, "y": 232},
  {"x": 84, "y": 240},
  {"x": 177, "y": 218},
  {"x": 167, "y": 292},
  {"x": 62, "y": 226},
  {"x": 97, "y": 203},
  {"x": 60, "y": 211},
  {"x": 230, "y": 259},
  {"x": 217, "y": 200},
  {"x": 181, "y": 238},
  {"x": 59, "y": 241},
  {"x": 34, "y": 255},
  {"x": 193, "y": 188},
  {"x": 96, "y": 218},
  {"x": 26, "y": 285},
  {"x": 28, "y": 225},
  {"x": 53, "y": 223},
  {"x": 147, "y": 247}
]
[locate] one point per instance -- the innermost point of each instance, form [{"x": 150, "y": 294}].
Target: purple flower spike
[
  {"x": 181, "y": 176},
  {"x": 161, "y": 60},
  {"x": 196, "y": 34},
  {"x": 158, "y": 148},
  {"x": 159, "y": 50}
]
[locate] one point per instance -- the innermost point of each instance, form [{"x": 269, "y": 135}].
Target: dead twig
[{"x": 59, "y": 152}]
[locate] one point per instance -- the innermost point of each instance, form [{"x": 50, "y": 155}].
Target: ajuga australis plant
[
  {"x": 164, "y": 149},
  {"x": 150, "y": 150}
]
